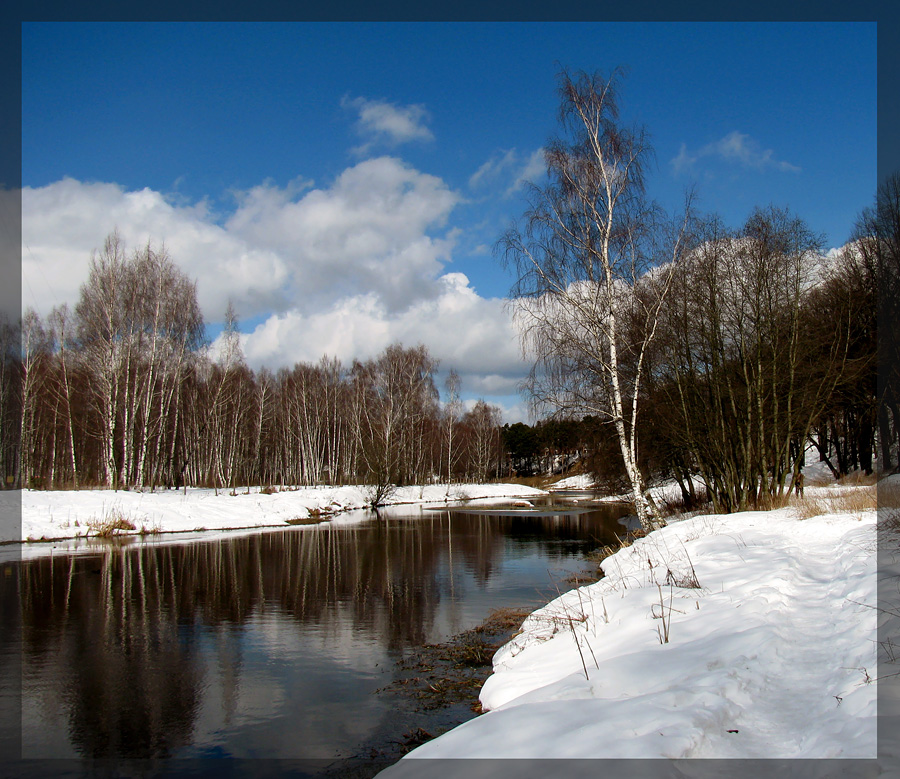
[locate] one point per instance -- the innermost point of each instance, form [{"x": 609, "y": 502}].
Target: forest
[
  {"x": 742, "y": 347},
  {"x": 766, "y": 345},
  {"x": 123, "y": 392}
]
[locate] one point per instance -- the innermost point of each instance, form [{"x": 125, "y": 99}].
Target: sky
[{"x": 344, "y": 184}]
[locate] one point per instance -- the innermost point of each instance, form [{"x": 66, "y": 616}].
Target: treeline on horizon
[
  {"x": 764, "y": 347},
  {"x": 123, "y": 392}
]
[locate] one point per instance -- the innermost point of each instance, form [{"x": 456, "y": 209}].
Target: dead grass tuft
[
  {"x": 608, "y": 550},
  {"x": 110, "y": 524},
  {"x": 855, "y": 501},
  {"x": 310, "y": 520},
  {"x": 538, "y": 482}
]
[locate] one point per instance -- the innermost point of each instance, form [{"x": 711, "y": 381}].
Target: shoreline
[
  {"x": 748, "y": 635},
  {"x": 33, "y": 519}
]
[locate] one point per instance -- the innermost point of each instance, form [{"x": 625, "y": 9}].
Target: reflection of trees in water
[
  {"x": 481, "y": 539},
  {"x": 117, "y": 629},
  {"x": 127, "y": 680}
]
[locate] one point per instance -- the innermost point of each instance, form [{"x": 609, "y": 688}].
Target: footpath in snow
[
  {"x": 749, "y": 635},
  {"x": 82, "y": 514}
]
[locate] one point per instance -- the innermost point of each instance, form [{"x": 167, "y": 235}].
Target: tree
[
  {"x": 137, "y": 321},
  {"x": 102, "y": 324},
  {"x": 393, "y": 397},
  {"x": 483, "y": 422},
  {"x": 452, "y": 410},
  {"x": 876, "y": 237},
  {"x": 748, "y": 366},
  {"x": 61, "y": 326},
  {"x": 589, "y": 237}
]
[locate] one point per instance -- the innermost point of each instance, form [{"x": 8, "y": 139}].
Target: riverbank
[
  {"x": 85, "y": 514},
  {"x": 749, "y": 635}
]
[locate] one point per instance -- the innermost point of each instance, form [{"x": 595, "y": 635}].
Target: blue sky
[{"x": 334, "y": 180}]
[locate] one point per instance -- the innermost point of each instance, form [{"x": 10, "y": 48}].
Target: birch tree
[
  {"x": 484, "y": 423},
  {"x": 452, "y": 410},
  {"x": 587, "y": 240}
]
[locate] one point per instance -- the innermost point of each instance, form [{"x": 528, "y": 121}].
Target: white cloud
[
  {"x": 511, "y": 169},
  {"x": 498, "y": 162},
  {"x": 464, "y": 331},
  {"x": 64, "y": 222},
  {"x": 388, "y": 123},
  {"x": 343, "y": 270},
  {"x": 377, "y": 229},
  {"x": 735, "y": 147},
  {"x": 683, "y": 162},
  {"x": 535, "y": 167},
  {"x": 368, "y": 232}
]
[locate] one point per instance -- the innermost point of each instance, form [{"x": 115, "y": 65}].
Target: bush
[{"x": 110, "y": 524}]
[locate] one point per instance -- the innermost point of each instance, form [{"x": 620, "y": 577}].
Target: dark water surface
[{"x": 272, "y": 644}]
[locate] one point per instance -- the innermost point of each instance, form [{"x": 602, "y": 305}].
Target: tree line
[
  {"x": 123, "y": 391},
  {"x": 687, "y": 349},
  {"x": 709, "y": 353}
]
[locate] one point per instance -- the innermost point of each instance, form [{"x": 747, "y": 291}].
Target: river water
[{"x": 271, "y": 644}]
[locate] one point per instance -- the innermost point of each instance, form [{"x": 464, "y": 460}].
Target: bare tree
[
  {"x": 755, "y": 343},
  {"x": 452, "y": 411},
  {"x": 61, "y": 326},
  {"x": 483, "y": 422},
  {"x": 588, "y": 239},
  {"x": 876, "y": 237}
]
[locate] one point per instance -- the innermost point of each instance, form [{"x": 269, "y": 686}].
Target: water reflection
[{"x": 265, "y": 645}]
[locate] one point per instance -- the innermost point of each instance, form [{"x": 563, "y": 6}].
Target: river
[{"x": 270, "y": 645}]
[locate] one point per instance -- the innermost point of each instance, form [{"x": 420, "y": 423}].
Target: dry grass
[
  {"x": 310, "y": 520},
  {"x": 502, "y": 620},
  {"x": 889, "y": 495},
  {"x": 858, "y": 479},
  {"x": 601, "y": 553},
  {"x": 538, "y": 482},
  {"x": 681, "y": 508},
  {"x": 110, "y": 524},
  {"x": 854, "y": 501}
]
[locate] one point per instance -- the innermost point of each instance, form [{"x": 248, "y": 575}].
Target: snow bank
[
  {"x": 582, "y": 481},
  {"x": 772, "y": 655},
  {"x": 73, "y": 514}
]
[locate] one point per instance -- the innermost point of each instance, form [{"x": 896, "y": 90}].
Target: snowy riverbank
[
  {"x": 83, "y": 514},
  {"x": 744, "y": 635}
]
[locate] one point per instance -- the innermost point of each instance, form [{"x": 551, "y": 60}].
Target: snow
[
  {"x": 582, "y": 481},
  {"x": 62, "y": 514},
  {"x": 773, "y": 655}
]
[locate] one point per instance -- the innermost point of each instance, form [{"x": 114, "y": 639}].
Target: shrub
[{"x": 110, "y": 524}]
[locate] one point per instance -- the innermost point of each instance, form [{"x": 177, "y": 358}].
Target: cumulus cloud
[
  {"x": 368, "y": 232},
  {"x": 381, "y": 122},
  {"x": 735, "y": 147},
  {"x": 464, "y": 331},
  {"x": 343, "y": 270},
  {"x": 379, "y": 228},
  {"x": 62, "y": 223}
]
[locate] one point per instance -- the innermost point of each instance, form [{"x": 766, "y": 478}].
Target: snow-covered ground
[
  {"x": 744, "y": 635},
  {"x": 51, "y": 515},
  {"x": 582, "y": 481}
]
